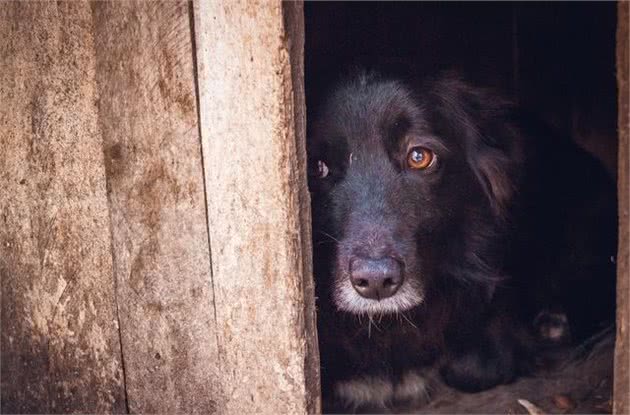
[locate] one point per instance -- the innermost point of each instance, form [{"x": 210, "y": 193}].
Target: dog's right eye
[
  {"x": 322, "y": 169},
  {"x": 419, "y": 158}
]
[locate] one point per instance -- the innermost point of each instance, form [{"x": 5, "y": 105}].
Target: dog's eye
[
  {"x": 419, "y": 158},
  {"x": 322, "y": 169}
]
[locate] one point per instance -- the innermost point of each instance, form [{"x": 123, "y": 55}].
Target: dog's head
[{"x": 408, "y": 188}]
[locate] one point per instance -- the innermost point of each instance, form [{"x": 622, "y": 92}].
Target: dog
[{"x": 454, "y": 236}]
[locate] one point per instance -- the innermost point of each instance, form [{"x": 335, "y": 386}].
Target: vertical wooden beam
[
  {"x": 148, "y": 116},
  {"x": 59, "y": 332},
  {"x": 294, "y": 26},
  {"x": 252, "y": 123},
  {"x": 622, "y": 346}
]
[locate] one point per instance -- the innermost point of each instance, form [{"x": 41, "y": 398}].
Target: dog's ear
[{"x": 486, "y": 125}]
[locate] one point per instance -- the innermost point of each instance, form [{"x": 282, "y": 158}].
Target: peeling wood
[{"x": 60, "y": 343}]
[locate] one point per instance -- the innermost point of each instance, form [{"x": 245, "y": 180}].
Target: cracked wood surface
[
  {"x": 148, "y": 118},
  {"x": 252, "y": 130},
  {"x": 107, "y": 287},
  {"x": 103, "y": 203}
]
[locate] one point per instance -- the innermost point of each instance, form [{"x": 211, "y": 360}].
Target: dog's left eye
[
  {"x": 322, "y": 169},
  {"x": 419, "y": 158}
]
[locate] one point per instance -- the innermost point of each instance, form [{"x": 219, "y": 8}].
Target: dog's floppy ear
[{"x": 485, "y": 124}]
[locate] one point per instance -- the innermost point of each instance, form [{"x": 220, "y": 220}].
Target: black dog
[{"x": 445, "y": 222}]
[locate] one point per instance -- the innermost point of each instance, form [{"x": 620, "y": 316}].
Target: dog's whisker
[
  {"x": 408, "y": 320},
  {"x": 376, "y": 326},
  {"x": 329, "y": 235},
  {"x": 324, "y": 242}
]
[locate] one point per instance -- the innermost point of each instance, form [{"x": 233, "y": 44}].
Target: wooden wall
[
  {"x": 150, "y": 262},
  {"x": 622, "y": 345}
]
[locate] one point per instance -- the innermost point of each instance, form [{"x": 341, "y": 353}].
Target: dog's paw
[
  {"x": 365, "y": 394},
  {"x": 552, "y": 328},
  {"x": 413, "y": 389},
  {"x": 475, "y": 371}
]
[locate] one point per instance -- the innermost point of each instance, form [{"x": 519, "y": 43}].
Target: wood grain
[
  {"x": 60, "y": 342},
  {"x": 252, "y": 127},
  {"x": 622, "y": 347},
  {"x": 294, "y": 25},
  {"x": 148, "y": 116}
]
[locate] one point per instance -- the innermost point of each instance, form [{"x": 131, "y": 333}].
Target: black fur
[{"x": 510, "y": 221}]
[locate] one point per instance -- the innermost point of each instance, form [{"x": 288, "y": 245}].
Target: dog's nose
[{"x": 376, "y": 278}]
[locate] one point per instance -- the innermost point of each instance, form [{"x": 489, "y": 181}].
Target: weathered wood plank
[
  {"x": 148, "y": 115},
  {"x": 294, "y": 26},
  {"x": 60, "y": 341},
  {"x": 622, "y": 346},
  {"x": 252, "y": 127}
]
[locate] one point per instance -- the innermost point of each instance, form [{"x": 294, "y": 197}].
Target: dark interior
[{"x": 556, "y": 59}]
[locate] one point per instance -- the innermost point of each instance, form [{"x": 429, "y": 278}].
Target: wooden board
[
  {"x": 148, "y": 116},
  {"x": 253, "y": 145},
  {"x": 60, "y": 341},
  {"x": 294, "y": 25},
  {"x": 622, "y": 347}
]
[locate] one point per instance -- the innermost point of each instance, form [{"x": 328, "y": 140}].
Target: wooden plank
[
  {"x": 60, "y": 341},
  {"x": 622, "y": 346},
  {"x": 294, "y": 26},
  {"x": 253, "y": 146},
  {"x": 148, "y": 115}
]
